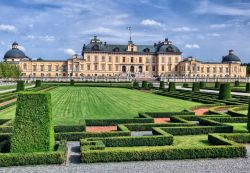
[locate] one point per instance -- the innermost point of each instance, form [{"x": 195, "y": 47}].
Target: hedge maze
[{"x": 148, "y": 136}]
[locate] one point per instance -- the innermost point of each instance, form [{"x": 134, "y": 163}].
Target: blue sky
[{"x": 54, "y": 29}]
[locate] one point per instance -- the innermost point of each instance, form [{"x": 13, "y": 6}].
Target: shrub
[
  {"x": 217, "y": 85},
  {"x": 248, "y": 117},
  {"x": 33, "y": 130},
  {"x": 38, "y": 83},
  {"x": 185, "y": 85},
  {"x": 20, "y": 85},
  {"x": 202, "y": 85},
  {"x": 144, "y": 84},
  {"x": 171, "y": 87},
  {"x": 162, "y": 85},
  {"x": 150, "y": 85},
  {"x": 70, "y": 128},
  {"x": 112, "y": 122},
  {"x": 135, "y": 85},
  {"x": 237, "y": 83},
  {"x": 225, "y": 91},
  {"x": 72, "y": 82},
  {"x": 248, "y": 87},
  {"x": 196, "y": 87}
]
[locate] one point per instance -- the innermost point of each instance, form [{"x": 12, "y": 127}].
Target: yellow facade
[{"x": 139, "y": 61}]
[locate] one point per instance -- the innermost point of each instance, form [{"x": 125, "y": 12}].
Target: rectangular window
[
  {"x": 49, "y": 67},
  {"x": 82, "y": 66},
  {"x": 147, "y": 60},
  {"x": 34, "y": 67},
  {"x": 153, "y": 68},
  {"x": 162, "y": 68},
  {"x": 227, "y": 70},
  {"x": 221, "y": 70},
  {"x": 96, "y": 67},
  {"x": 140, "y": 59},
  {"x": 169, "y": 60},
  {"x": 132, "y": 59},
  {"x": 117, "y": 68},
  {"x": 103, "y": 67},
  {"x": 214, "y": 69},
  {"x": 117, "y": 59},
  {"x": 103, "y": 58},
  {"x": 88, "y": 58},
  {"x": 123, "y": 59},
  {"x": 146, "y": 67},
  {"x": 110, "y": 67},
  {"x": 110, "y": 59},
  {"x": 176, "y": 59},
  {"x": 42, "y": 67},
  {"x": 57, "y": 68},
  {"x": 96, "y": 58},
  {"x": 163, "y": 59},
  {"x": 88, "y": 67},
  {"x": 208, "y": 70}
]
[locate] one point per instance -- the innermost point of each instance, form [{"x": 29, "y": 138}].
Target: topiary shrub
[
  {"x": 217, "y": 85},
  {"x": 171, "y": 87},
  {"x": 196, "y": 87},
  {"x": 72, "y": 82},
  {"x": 237, "y": 83},
  {"x": 150, "y": 85},
  {"x": 202, "y": 85},
  {"x": 38, "y": 83},
  {"x": 33, "y": 130},
  {"x": 248, "y": 87},
  {"x": 225, "y": 91},
  {"x": 20, "y": 85},
  {"x": 185, "y": 85},
  {"x": 162, "y": 85},
  {"x": 248, "y": 117},
  {"x": 144, "y": 85},
  {"x": 135, "y": 85}
]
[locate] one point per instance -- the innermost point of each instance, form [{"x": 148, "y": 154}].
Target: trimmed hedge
[
  {"x": 196, "y": 87},
  {"x": 225, "y": 91},
  {"x": 35, "y": 158},
  {"x": 202, "y": 85},
  {"x": 238, "y": 137},
  {"x": 171, "y": 87},
  {"x": 111, "y": 122},
  {"x": 217, "y": 85},
  {"x": 144, "y": 85},
  {"x": 237, "y": 83},
  {"x": 70, "y": 128},
  {"x": 33, "y": 130},
  {"x": 185, "y": 85},
  {"x": 163, "y": 114},
  {"x": 136, "y": 85},
  {"x": 162, "y": 85},
  {"x": 150, "y": 85},
  {"x": 20, "y": 85},
  {"x": 248, "y": 117},
  {"x": 248, "y": 87},
  {"x": 38, "y": 83},
  {"x": 72, "y": 82}
]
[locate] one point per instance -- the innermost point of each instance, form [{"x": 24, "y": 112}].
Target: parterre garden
[{"x": 166, "y": 126}]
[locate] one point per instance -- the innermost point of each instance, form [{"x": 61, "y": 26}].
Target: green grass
[
  {"x": 191, "y": 140},
  {"x": 71, "y": 104},
  {"x": 239, "y": 127},
  {"x": 6, "y": 87},
  {"x": 243, "y": 112}
]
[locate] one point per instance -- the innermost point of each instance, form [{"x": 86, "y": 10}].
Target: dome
[
  {"x": 231, "y": 57},
  {"x": 14, "y": 52},
  {"x": 167, "y": 47}
]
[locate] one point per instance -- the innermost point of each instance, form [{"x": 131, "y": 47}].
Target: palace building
[{"x": 100, "y": 59}]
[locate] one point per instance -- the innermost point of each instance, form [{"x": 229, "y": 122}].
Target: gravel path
[{"x": 239, "y": 165}]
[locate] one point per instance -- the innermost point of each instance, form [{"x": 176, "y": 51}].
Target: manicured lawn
[
  {"x": 6, "y": 87},
  {"x": 191, "y": 140},
  {"x": 71, "y": 104},
  {"x": 243, "y": 112},
  {"x": 239, "y": 127}
]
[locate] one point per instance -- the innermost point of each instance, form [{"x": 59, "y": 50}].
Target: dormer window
[
  {"x": 95, "y": 47},
  {"x": 169, "y": 49},
  {"x": 116, "y": 49},
  {"x": 146, "y": 50}
]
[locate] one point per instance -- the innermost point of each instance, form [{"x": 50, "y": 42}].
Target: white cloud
[
  {"x": 150, "y": 22},
  {"x": 7, "y": 28},
  {"x": 48, "y": 38},
  {"x": 31, "y": 37},
  {"x": 206, "y": 7},
  {"x": 69, "y": 52},
  {"x": 22, "y": 48},
  {"x": 218, "y": 26},
  {"x": 213, "y": 34},
  {"x": 192, "y": 46},
  {"x": 184, "y": 29}
]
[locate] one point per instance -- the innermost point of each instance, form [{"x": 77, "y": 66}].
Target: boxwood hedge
[
  {"x": 225, "y": 91},
  {"x": 196, "y": 87},
  {"x": 38, "y": 83},
  {"x": 144, "y": 84},
  {"x": 248, "y": 87},
  {"x": 33, "y": 130},
  {"x": 162, "y": 85},
  {"x": 20, "y": 85},
  {"x": 171, "y": 87}
]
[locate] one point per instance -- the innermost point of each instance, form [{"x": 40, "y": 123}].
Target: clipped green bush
[
  {"x": 150, "y": 85},
  {"x": 248, "y": 87},
  {"x": 217, "y": 85},
  {"x": 20, "y": 85},
  {"x": 33, "y": 130},
  {"x": 196, "y": 87},
  {"x": 202, "y": 85},
  {"x": 237, "y": 83},
  {"x": 225, "y": 91},
  {"x": 248, "y": 117},
  {"x": 135, "y": 85},
  {"x": 171, "y": 87},
  {"x": 162, "y": 85},
  {"x": 38, "y": 83},
  {"x": 72, "y": 82},
  {"x": 144, "y": 85}
]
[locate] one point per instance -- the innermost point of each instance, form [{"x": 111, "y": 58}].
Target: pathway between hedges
[{"x": 73, "y": 155}]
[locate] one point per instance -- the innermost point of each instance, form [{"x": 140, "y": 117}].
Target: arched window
[
  {"x": 132, "y": 69},
  {"x": 124, "y": 69},
  {"x": 140, "y": 69},
  {"x": 95, "y": 47}
]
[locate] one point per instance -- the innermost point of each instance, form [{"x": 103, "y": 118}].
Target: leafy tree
[{"x": 8, "y": 70}]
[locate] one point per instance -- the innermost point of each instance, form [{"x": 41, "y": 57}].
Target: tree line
[{"x": 8, "y": 70}]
